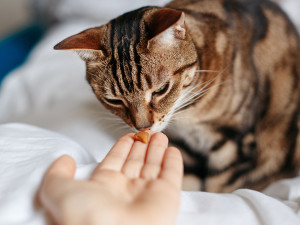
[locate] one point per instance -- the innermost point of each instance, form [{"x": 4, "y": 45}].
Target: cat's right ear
[
  {"x": 85, "y": 43},
  {"x": 166, "y": 27}
]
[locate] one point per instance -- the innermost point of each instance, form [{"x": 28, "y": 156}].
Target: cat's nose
[
  {"x": 141, "y": 119},
  {"x": 144, "y": 126},
  {"x": 144, "y": 129}
]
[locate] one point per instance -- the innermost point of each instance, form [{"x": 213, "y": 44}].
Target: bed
[{"x": 47, "y": 110}]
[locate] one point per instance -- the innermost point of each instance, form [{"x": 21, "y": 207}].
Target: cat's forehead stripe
[
  {"x": 113, "y": 90},
  {"x": 137, "y": 58},
  {"x": 125, "y": 36},
  {"x": 113, "y": 61},
  {"x": 123, "y": 33}
]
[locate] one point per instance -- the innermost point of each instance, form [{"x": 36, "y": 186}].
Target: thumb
[
  {"x": 50, "y": 191},
  {"x": 63, "y": 167}
]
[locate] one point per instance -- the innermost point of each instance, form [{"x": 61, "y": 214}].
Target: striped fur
[{"x": 221, "y": 77}]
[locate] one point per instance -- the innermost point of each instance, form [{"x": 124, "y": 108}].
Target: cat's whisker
[
  {"x": 111, "y": 122},
  {"x": 191, "y": 89},
  {"x": 207, "y": 71},
  {"x": 178, "y": 112},
  {"x": 202, "y": 90},
  {"x": 125, "y": 127},
  {"x": 107, "y": 116},
  {"x": 207, "y": 82},
  {"x": 112, "y": 119},
  {"x": 191, "y": 101},
  {"x": 104, "y": 119},
  {"x": 180, "y": 117},
  {"x": 113, "y": 126},
  {"x": 101, "y": 113},
  {"x": 131, "y": 129},
  {"x": 108, "y": 122},
  {"x": 195, "y": 96},
  {"x": 188, "y": 96},
  {"x": 191, "y": 94}
]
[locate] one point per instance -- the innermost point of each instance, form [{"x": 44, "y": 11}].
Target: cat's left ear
[
  {"x": 86, "y": 43},
  {"x": 167, "y": 27}
]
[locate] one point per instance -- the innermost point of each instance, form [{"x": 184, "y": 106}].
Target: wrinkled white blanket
[
  {"x": 26, "y": 152},
  {"x": 47, "y": 110}
]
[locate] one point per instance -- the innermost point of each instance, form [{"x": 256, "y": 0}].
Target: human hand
[{"x": 135, "y": 184}]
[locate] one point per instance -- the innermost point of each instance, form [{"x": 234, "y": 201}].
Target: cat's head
[{"x": 138, "y": 64}]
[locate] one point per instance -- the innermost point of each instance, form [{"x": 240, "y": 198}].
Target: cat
[{"x": 220, "y": 77}]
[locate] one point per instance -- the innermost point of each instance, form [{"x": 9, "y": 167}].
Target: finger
[
  {"x": 61, "y": 169},
  {"x": 64, "y": 166},
  {"x": 172, "y": 168},
  {"x": 156, "y": 150},
  {"x": 136, "y": 159},
  {"x": 118, "y": 154}
]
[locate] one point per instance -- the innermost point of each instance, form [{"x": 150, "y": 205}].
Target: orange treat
[{"x": 142, "y": 137}]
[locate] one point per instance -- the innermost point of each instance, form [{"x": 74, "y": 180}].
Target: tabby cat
[{"x": 221, "y": 77}]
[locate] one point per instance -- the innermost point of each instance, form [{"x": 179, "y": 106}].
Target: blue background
[{"x": 15, "y": 48}]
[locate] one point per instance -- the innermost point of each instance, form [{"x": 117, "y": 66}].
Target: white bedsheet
[
  {"x": 47, "y": 109},
  {"x": 27, "y": 151}
]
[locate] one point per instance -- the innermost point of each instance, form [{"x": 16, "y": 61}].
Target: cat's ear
[
  {"x": 166, "y": 27},
  {"x": 86, "y": 43}
]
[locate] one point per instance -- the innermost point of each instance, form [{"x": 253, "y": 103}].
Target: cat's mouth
[
  {"x": 155, "y": 127},
  {"x": 143, "y": 125},
  {"x": 144, "y": 129}
]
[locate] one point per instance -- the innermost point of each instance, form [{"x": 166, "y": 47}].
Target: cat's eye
[
  {"x": 161, "y": 90},
  {"x": 116, "y": 102}
]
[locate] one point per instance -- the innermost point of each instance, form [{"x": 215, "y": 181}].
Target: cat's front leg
[
  {"x": 191, "y": 179},
  {"x": 191, "y": 182},
  {"x": 262, "y": 157},
  {"x": 222, "y": 168}
]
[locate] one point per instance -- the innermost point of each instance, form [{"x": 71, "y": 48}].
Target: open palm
[{"x": 136, "y": 183}]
